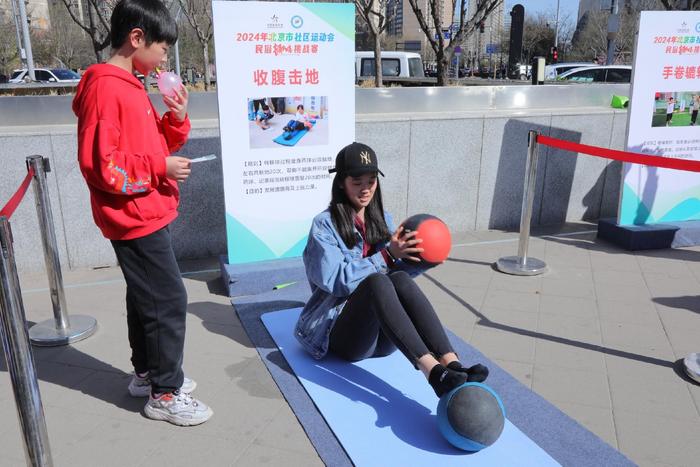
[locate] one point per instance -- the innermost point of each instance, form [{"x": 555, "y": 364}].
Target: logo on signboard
[
  {"x": 274, "y": 23},
  {"x": 297, "y": 21},
  {"x": 684, "y": 28}
]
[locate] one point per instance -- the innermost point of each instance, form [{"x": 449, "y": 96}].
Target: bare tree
[
  {"x": 8, "y": 49},
  {"x": 680, "y": 4},
  {"x": 438, "y": 19},
  {"x": 92, "y": 16},
  {"x": 590, "y": 40},
  {"x": 377, "y": 15},
  {"x": 538, "y": 36},
  {"x": 63, "y": 44},
  {"x": 199, "y": 15}
]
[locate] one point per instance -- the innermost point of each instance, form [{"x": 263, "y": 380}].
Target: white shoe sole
[{"x": 155, "y": 414}]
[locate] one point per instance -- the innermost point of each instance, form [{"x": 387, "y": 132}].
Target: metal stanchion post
[
  {"x": 18, "y": 354},
  {"x": 522, "y": 265},
  {"x": 63, "y": 329}
]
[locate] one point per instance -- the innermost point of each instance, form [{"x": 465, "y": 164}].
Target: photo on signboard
[
  {"x": 296, "y": 121},
  {"x": 676, "y": 108}
]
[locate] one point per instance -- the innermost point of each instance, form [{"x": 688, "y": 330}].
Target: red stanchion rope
[
  {"x": 633, "y": 157},
  {"x": 12, "y": 204}
]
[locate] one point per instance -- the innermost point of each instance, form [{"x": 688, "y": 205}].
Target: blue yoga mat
[
  {"x": 383, "y": 411},
  {"x": 294, "y": 139}
]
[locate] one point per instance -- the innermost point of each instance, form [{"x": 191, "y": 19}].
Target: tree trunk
[
  {"x": 100, "y": 54},
  {"x": 97, "y": 50},
  {"x": 207, "y": 76},
  {"x": 443, "y": 68},
  {"x": 378, "y": 78}
]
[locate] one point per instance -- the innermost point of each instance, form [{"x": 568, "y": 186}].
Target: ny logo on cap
[{"x": 366, "y": 159}]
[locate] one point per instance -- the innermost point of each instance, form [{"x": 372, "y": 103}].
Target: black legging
[{"x": 385, "y": 312}]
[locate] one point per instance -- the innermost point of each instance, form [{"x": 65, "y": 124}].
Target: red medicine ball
[{"x": 436, "y": 237}]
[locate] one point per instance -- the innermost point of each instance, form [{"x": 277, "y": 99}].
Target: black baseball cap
[{"x": 356, "y": 159}]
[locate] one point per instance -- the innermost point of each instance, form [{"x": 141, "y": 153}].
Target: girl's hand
[
  {"x": 403, "y": 246},
  {"x": 177, "y": 104}
]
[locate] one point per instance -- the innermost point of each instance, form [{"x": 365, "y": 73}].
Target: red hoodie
[{"x": 122, "y": 146}]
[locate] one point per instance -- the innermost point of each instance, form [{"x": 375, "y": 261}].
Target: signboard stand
[
  {"x": 660, "y": 208},
  {"x": 286, "y": 97}
]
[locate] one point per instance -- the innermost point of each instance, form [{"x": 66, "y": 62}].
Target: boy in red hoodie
[{"x": 124, "y": 151}]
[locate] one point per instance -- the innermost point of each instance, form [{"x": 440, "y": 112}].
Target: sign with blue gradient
[
  {"x": 286, "y": 97},
  {"x": 662, "y": 116}
]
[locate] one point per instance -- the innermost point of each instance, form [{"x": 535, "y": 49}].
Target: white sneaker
[
  {"x": 178, "y": 408},
  {"x": 141, "y": 387}
]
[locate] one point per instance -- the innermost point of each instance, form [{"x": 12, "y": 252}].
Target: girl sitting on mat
[
  {"x": 298, "y": 123},
  {"x": 364, "y": 302}
]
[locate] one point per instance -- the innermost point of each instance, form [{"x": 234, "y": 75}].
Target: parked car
[
  {"x": 45, "y": 75},
  {"x": 599, "y": 74},
  {"x": 521, "y": 72},
  {"x": 554, "y": 70},
  {"x": 394, "y": 64}
]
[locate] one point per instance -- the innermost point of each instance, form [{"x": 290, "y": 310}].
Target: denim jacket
[{"x": 334, "y": 271}]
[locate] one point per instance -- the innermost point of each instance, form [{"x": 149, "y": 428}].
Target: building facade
[
  {"x": 37, "y": 13},
  {"x": 488, "y": 44},
  {"x": 406, "y": 31}
]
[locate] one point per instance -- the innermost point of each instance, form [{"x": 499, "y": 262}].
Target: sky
[{"x": 569, "y": 7}]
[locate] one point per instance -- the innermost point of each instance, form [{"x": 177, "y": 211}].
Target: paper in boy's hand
[{"x": 209, "y": 157}]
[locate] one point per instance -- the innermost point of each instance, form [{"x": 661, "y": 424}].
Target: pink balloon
[{"x": 168, "y": 83}]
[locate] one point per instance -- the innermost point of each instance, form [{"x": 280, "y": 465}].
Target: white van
[
  {"x": 553, "y": 71},
  {"x": 394, "y": 65}
]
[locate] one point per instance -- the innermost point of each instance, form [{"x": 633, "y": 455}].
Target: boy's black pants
[{"x": 156, "y": 307}]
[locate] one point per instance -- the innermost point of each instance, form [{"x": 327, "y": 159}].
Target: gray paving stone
[
  {"x": 630, "y": 335},
  {"x": 506, "y": 283},
  {"x": 579, "y": 329},
  {"x": 116, "y": 443},
  {"x": 257, "y": 455},
  {"x": 653, "y": 396},
  {"x": 570, "y": 356},
  {"x": 575, "y": 306},
  {"x": 664, "y": 284},
  {"x": 567, "y": 288},
  {"x": 514, "y": 301},
  {"x": 503, "y": 345},
  {"x": 625, "y": 292},
  {"x": 519, "y": 370},
  {"x": 525, "y": 321},
  {"x": 657, "y": 440},
  {"x": 190, "y": 449},
  {"x": 598, "y": 420},
  {"x": 560, "y": 262},
  {"x": 618, "y": 311},
  {"x": 614, "y": 262},
  {"x": 575, "y": 386},
  {"x": 283, "y": 433},
  {"x": 590, "y": 336}
]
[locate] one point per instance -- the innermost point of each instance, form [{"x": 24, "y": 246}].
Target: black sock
[
  {"x": 443, "y": 380},
  {"x": 475, "y": 374}
]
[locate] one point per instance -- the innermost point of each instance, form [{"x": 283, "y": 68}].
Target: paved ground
[{"x": 597, "y": 336}]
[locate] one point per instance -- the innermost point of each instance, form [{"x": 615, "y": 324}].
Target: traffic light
[
  {"x": 555, "y": 54},
  {"x": 481, "y": 27}
]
